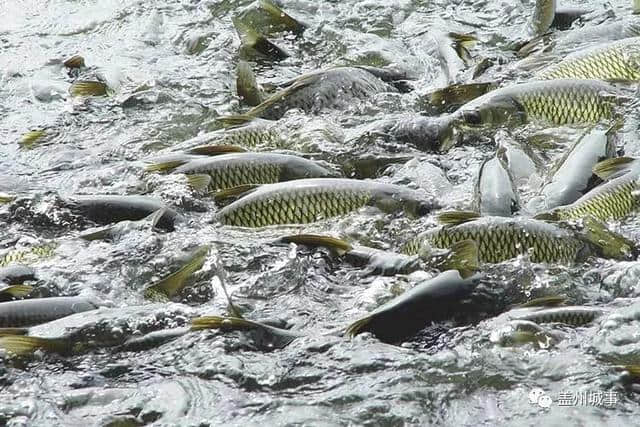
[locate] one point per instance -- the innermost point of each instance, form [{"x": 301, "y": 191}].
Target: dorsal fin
[
  {"x": 333, "y": 243},
  {"x": 296, "y": 84},
  {"x": 548, "y": 301},
  {"x": 214, "y": 150},
  {"x": 457, "y": 217},
  {"x": 173, "y": 283},
  {"x": 199, "y": 182},
  {"x": 165, "y": 166},
  {"x": 611, "y": 168},
  {"x": 235, "y": 192},
  {"x": 234, "y": 120}
]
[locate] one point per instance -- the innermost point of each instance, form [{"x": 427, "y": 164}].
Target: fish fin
[
  {"x": 214, "y": 150},
  {"x": 247, "y": 86},
  {"x": 199, "y": 182},
  {"x": 29, "y": 139},
  {"x": 17, "y": 291},
  {"x": 293, "y": 86},
  {"x": 7, "y": 198},
  {"x": 276, "y": 12},
  {"x": 22, "y": 345},
  {"x": 462, "y": 43},
  {"x": 548, "y": 301},
  {"x": 358, "y": 326},
  {"x": 173, "y": 283},
  {"x": 463, "y": 257},
  {"x": 257, "y": 42},
  {"x": 609, "y": 243},
  {"x": 155, "y": 217},
  {"x": 13, "y": 331},
  {"x": 165, "y": 166},
  {"x": 99, "y": 234},
  {"x": 88, "y": 88},
  {"x": 220, "y": 322},
  {"x": 634, "y": 370},
  {"x": 550, "y": 216},
  {"x": 457, "y": 217},
  {"x": 76, "y": 61},
  {"x": 612, "y": 168},
  {"x": 459, "y": 94},
  {"x": 333, "y": 243},
  {"x": 234, "y": 120},
  {"x": 235, "y": 192}
]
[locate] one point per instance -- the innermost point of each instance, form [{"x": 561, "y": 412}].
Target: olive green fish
[
  {"x": 500, "y": 239},
  {"x": 614, "y": 199},
  {"x": 29, "y": 255},
  {"x": 232, "y": 170},
  {"x": 309, "y": 200},
  {"x": 570, "y": 315},
  {"x": 614, "y": 61},
  {"x": 243, "y": 131},
  {"x": 559, "y": 102}
]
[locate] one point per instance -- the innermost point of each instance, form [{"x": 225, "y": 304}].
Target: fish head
[
  {"x": 431, "y": 134},
  {"x": 496, "y": 111}
]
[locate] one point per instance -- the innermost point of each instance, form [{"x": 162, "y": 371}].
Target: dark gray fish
[{"x": 35, "y": 311}]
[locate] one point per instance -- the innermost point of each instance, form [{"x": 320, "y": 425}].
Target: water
[{"x": 171, "y": 66}]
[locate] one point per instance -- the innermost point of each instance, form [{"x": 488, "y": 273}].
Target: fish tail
[
  {"x": 172, "y": 284},
  {"x": 165, "y": 166},
  {"x": 463, "y": 257},
  {"x": 22, "y": 345},
  {"x": 358, "y": 326},
  {"x": 199, "y": 182},
  {"x": 337, "y": 245}
]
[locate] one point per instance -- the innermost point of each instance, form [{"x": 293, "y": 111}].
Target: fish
[
  {"x": 462, "y": 256},
  {"x": 30, "y": 312},
  {"x": 309, "y": 200},
  {"x": 76, "y": 61},
  {"x": 83, "y": 331},
  {"x": 270, "y": 18},
  {"x": 14, "y": 291},
  {"x": 500, "y": 238},
  {"x": 255, "y": 43},
  {"x": 557, "y": 102},
  {"x": 106, "y": 209},
  {"x": 85, "y": 88},
  {"x": 617, "y": 61},
  {"x": 247, "y": 86},
  {"x": 320, "y": 90},
  {"x": 495, "y": 191},
  {"x": 542, "y": 18},
  {"x": 570, "y": 315},
  {"x": 433, "y": 299},
  {"x": 242, "y": 131},
  {"x": 566, "y": 16},
  {"x": 231, "y": 170},
  {"x": 616, "y": 198},
  {"x": 572, "y": 177},
  {"x": 450, "y": 98},
  {"x": 121, "y": 228},
  {"x": 452, "y": 49},
  {"x": 175, "y": 282},
  {"x": 518, "y": 332}
]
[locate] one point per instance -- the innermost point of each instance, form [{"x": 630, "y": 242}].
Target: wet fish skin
[
  {"x": 573, "y": 175},
  {"x": 106, "y": 209},
  {"x": 28, "y": 255},
  {"x": 251, "y": 133},
  {"x": 543, "y": 15},
  {"x": 15, "y": 274},
  {"x": 35, "y": 311},
  {"x": 574, "y": 315},
  {"x": 614, "y": 61},
  {"x": 403, "y": 316},
  {"x": 614, "y": 199},
  {"x": 309, "y": 200},
  {"x": 495, "y": 192},
  {"x": 559, "y": 102},
  {"x": 320, "y": 90},
  {"x": 232, "y": 170}
]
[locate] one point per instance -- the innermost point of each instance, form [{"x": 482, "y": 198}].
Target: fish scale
[
  {"x": 611, "y": 61},
  {"x": 500, "y": 238}
]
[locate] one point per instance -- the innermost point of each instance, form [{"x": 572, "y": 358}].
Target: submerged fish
[
  {"x": 269, "y": 18},
  {"x": 35, "y": 311},
  {"x": 614, "y": 199},
  {"x": 309, "y": 200},
  {"x": 434, "y": 299},
  {"x": 16, "y": 274},
  {"x": 232, "y": 170},
  {"x": 572, "y": 177},
  {"x": 613, "y": 61},
  {"x": 560, "y": 102},
  {"x": 462, "y": 256},
  {"x": 495, "y": 191},
  {"x": 429, "y": 134},
  {"x": 500, "y": 239},
  {"x": 105, "y": 209},
  {"x": 320, "y": 90}
]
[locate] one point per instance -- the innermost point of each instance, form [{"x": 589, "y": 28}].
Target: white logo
[{"x": 537, "y": 396}]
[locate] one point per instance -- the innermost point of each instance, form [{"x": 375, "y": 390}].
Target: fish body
[
  {"x": 106, "y": 209},
  {"x": 309, "y": 200},
  {"x": 232, "y": 170},
  {"x": 35, "y": 311},
  {"x": 575, "y": 316},
  {"x": 614, "y": 61},
  {"x": 250, "y": 133},
  {"x": 313, "y": 92},
  {"x": 496, "y": 193},
  {"x": 559, "y": 102},
  {"x": 542, "y": 18},
  {"x": 573, "y": 176}
]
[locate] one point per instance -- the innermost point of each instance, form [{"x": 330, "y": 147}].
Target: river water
[{"x": 171, "y": 68}]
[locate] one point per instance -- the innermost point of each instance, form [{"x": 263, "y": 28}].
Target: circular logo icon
[
  {"x": 544, "y": 401},
  {"x": 534, "y": 395}
]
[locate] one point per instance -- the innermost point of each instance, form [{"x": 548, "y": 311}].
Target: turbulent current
[{"x": 170, "y": 72}]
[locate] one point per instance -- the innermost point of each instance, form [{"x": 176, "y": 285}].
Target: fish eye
[{"x": 472, "y": 117}]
